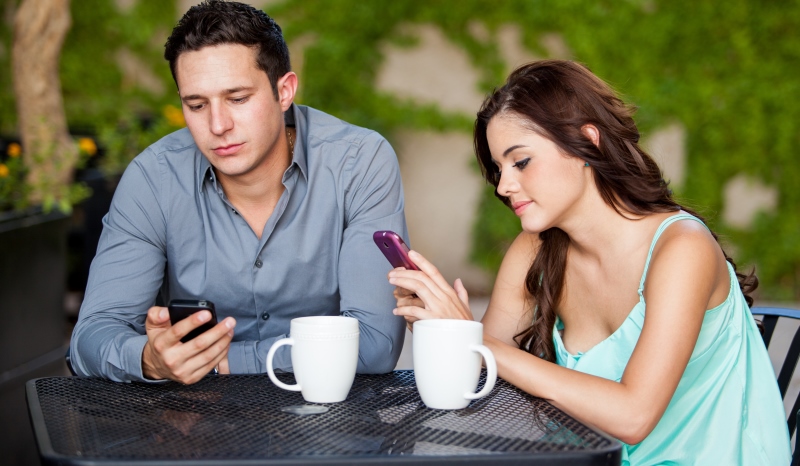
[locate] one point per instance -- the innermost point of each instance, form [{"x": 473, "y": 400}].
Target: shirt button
[
  {"x": 265, "y": 316},
  {"x": 259, "y": 263}
]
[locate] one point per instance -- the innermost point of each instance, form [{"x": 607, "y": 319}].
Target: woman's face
[{"x": 542, "y": 183}]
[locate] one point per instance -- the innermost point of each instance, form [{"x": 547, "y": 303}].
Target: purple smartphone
[{"x": 394, "y": 248}]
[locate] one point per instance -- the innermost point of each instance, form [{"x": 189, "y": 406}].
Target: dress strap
[{"x": 667, "y": 222}]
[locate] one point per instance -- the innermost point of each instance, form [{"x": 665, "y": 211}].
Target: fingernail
[
  {"x": 230, "y": 323},
  {"x": 163, "y": 313},
  {"x": 204, "y": 316}
]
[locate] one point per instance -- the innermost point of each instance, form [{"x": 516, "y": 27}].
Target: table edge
[
  {"x": 37, "y": 419},
  {"x": 611, "y": 455}
]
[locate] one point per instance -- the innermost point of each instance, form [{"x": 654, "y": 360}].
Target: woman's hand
[{"x": 425, "y": 294}]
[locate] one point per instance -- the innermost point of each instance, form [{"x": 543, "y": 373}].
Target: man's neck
[{"x": 255, "y": 194}]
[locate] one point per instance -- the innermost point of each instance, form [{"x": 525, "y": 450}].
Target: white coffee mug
[
  {"x": 447, "y": 362},
  {"x": 324, "y": 357}
]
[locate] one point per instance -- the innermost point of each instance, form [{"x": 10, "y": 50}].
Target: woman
[{"x": 615, "y": 303}]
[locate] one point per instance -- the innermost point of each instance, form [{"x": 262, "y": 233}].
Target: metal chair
[
  {"x": 770, "y": 320},
  {"x": 68, "y": 361}
]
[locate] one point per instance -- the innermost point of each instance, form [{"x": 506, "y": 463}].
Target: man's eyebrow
[
  {"x": 512, "y": 148},
  {"x": 233, "y": 90}
]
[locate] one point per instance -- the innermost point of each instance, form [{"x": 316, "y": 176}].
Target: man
[{"x": 261, "y": 206}]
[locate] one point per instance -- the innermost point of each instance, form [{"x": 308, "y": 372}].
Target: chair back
[{"x": 771, "y": 315}]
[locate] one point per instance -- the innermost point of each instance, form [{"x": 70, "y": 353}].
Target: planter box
[
  {"x": 32, "y": 321},
  {"x": 32, "y": 283}
]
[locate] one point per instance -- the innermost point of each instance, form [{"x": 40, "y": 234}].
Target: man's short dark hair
[{"x": 218, "y": 22}]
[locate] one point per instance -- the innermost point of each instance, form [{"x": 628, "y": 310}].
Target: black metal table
[{"x": 245, "y": 419}]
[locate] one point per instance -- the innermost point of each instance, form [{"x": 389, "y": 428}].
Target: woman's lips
[
  {"x": 227, "y": 150},
  {"x": 520, "y": 206}
]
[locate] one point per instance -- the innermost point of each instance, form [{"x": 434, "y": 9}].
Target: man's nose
[{"x": 221, "y": 121}]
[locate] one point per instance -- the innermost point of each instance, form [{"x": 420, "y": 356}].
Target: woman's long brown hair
[{"x": 556, "y": 98}]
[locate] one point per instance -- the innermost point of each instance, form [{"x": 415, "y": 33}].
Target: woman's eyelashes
[{"x": 522, "y": 163}]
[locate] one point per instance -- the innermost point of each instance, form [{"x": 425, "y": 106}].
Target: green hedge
[{"x": 727, "y": 71}]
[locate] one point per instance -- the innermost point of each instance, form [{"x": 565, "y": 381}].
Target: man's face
[{"x": 231, "y": 110}]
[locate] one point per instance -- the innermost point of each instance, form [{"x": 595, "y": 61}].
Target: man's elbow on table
[
  {"x": 376, "y": 365},
  {"x": 379, "y": 359}
]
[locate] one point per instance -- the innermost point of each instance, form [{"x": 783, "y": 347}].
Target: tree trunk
[{"x": 50, "y": 154}]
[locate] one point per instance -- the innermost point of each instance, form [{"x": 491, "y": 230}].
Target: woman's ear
[{"x": 591, "y": 132}]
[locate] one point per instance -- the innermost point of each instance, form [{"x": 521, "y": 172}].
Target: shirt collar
[
  {"x": 295, "y": 118},
  {"x": 206, "y": 174}
]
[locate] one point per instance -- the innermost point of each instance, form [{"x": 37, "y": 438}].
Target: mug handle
[
  {"x": 491, "y": 372},
  {"x": 271, "y": 372}
]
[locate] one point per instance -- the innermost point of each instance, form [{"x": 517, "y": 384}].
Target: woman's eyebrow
[{"x": 512, "y": 148}]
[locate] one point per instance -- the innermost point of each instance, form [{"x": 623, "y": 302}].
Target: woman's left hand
[{"x": 435, "y": 298}]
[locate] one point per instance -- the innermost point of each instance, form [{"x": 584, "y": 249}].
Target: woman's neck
[{"x": 600, "y": 234}]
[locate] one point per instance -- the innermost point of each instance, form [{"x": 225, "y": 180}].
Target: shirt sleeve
[
  {"x": 125, "y": 277},
  {"x": 373, "y": 201},
  {"x": 250, "y": 357}
]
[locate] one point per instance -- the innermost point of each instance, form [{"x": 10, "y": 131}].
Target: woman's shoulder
[
  {"x": 686, "y": 234},
  {"x": 518, "y": 259},
  {"x": 524, "y": 247},
  {"x": 687, "y": 249}
]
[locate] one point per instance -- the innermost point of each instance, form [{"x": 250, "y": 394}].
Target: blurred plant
[
  {"x": 12, "y": 174},
  {"x": 40, "y": 168},
  {"x": 132, "y": 134},
  {"x": 15, "y": 189}
]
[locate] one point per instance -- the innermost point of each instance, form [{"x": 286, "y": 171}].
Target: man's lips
[
  {"x": 520, "y": 206},
  {"x": 227, "y": 150}
]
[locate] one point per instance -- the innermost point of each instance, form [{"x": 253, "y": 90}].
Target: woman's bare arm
[
  {"x": 686, "y": 270},
  {"x": 509, "y": 310}
]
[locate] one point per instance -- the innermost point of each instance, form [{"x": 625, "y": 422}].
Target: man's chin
[{"x": 229, "y": 170}]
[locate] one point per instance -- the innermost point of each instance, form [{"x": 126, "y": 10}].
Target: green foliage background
[{"x": 728, "y": 71}]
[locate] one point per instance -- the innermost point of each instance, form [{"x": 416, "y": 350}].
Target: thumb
[
  {"x": 157, "y": 318},
  {"x": 461, "y": 292}
]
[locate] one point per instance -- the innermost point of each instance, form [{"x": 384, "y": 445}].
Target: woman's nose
[{"x": 506, "y": 185}]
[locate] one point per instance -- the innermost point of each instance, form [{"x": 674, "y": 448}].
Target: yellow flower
[
  {"x": 3, "y": 170},
  {"x": 87, "y": 145},
  {"x": 14, "y": 150},
  {"x": 174, "y": 116}
]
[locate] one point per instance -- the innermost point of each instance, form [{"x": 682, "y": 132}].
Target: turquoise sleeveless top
[{"x": 727, "y": 409}]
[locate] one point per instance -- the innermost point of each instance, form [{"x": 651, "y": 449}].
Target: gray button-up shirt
[{"x": 170, "y": 228}]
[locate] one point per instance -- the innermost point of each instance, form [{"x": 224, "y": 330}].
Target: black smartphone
[{"x": 180, "y": 309}]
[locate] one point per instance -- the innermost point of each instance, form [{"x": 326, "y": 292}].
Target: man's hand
[{"x": 165, "y": 357}]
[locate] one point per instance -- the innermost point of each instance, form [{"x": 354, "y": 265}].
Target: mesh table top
[{"x": 241, "y": 419}]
